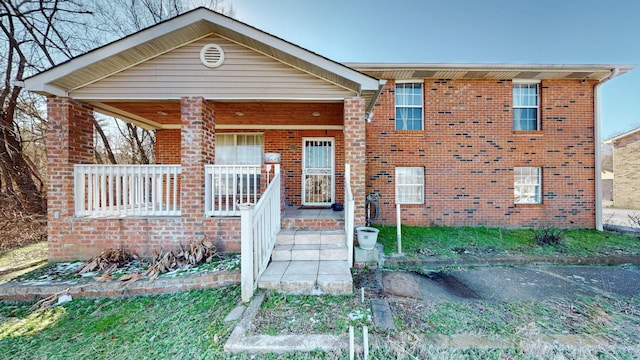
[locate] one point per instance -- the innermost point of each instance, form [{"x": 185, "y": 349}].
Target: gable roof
[
  {"x": 163, "y": 37},
  {"x": 622, "y": 136}
]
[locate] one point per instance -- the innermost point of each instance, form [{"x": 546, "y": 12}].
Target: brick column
[
  {"x": 69, "y": 142},
  {"x": 355, "y": 152},
  {"x": 197, "y": 149}
]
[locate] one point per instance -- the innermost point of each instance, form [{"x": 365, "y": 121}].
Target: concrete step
[
  {"x": 311, "y": 277},
  {"x": 298, "y": 245},
  {"x": 306, "y": 237}
]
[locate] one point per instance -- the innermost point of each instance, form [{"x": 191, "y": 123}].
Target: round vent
[{"x": 212, "y": 55}]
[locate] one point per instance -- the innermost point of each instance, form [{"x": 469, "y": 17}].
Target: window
[
  {"x": 410, "y": 185},
  {"x": 409, "y": 106},
  {"x": 525, "y": 106},
  {"x": 527, "y": 185},
  {"x": 239, "y": 149}
]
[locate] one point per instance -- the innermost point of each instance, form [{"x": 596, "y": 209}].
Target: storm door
[{"x": 318, "y": 165}]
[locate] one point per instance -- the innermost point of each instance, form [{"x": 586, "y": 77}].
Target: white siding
[{"x": 245, "y": 74}]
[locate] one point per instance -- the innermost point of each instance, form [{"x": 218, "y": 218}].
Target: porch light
[
  {"x": 239, "y": 113},
  {"x": 162, "y": 113},
  {"x": 315, "y": 113}
]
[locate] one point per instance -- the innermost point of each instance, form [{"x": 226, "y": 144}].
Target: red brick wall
[
  {"x": 469, "y": 149},
  {"x": 168, "y": 146},
  {"x": 288, "y": 143}
]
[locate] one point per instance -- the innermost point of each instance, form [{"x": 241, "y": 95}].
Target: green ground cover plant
[{"x": 453, "y": 241}]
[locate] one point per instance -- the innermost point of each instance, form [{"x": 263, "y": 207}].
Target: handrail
[
  {"x": 229, "y": 185},
  {"x": 349, "y": 212},
  {"x": 259, "y": 226}
]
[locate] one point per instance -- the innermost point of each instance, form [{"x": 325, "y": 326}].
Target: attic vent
[{"x": 211, "y": 55}]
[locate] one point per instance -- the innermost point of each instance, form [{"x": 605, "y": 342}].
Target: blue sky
[{"x": 469, "y": 31}]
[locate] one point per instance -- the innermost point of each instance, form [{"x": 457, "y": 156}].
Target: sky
[{"x": 469, "y": 31}]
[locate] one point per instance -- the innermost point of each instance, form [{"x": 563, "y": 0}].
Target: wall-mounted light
[
  {"x": 239, "y": 113},
  {"x": 368, "y": 116},
  {"x": 315, "y": 113}
]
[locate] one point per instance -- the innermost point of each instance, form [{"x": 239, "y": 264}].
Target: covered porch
[{"x": 219, "y": 95}]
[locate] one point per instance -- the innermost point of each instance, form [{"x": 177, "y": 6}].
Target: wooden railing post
[{"x": 246, "y": 251}]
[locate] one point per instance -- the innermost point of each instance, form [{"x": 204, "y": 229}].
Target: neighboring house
[
  {"x": 626, "y": 167},
  {"x": 455, "y": 144}
]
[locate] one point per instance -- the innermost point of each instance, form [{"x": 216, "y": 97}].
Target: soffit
[{"x": 489, "y": 71}]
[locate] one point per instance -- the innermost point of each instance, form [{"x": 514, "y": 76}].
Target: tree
[{"x": 36, "y": 35}]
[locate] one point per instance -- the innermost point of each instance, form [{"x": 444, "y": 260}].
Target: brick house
[
  {"x": 241, "y": 116},
  {"x": 626, "y": 169}
]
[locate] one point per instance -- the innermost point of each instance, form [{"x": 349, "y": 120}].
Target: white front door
[{"x": 318, "y": 168}]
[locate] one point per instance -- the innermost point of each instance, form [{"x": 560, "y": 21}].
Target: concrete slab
[
  {"x": 236, "y": 313},
  {"x": 334, "y": 268},
  {"x": 401, "y": 283},
  {"x": 382, "y": 317},
  {"x": 303, "y": 268}
]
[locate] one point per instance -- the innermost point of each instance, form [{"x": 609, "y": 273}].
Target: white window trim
[
  {"x": 395, "y": 107},
  {"x": 537, "y": 106},
  {"x": 398, "y": 185},
  {"x": 537, "y": 185}
]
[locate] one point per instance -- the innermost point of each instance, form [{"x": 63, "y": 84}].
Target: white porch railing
[
  {"x": 349, "y": 212},
  {"x": 259, "y": 226},
  {"x": 229, "y": 185},
  {"x": 125, "y": 190}
]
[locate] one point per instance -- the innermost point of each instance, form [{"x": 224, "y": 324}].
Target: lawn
[
  {"x": 190, "y": 325},
  {"x": 452, "y": 241}
]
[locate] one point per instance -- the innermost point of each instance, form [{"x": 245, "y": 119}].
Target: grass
[
  {"x": 190, "y": 325},
  {"x": 451, "y": 241},
  {"x": 307, "y": 314}
]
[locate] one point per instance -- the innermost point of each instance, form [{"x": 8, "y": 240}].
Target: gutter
[
  {"x": 369, "y": 108},
  {"x": 598, "y": 153}
]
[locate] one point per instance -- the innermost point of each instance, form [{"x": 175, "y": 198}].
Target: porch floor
[{"x": 297, "y": 212}]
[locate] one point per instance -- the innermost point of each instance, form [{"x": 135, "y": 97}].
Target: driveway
[{"x": 518, "y": 283}]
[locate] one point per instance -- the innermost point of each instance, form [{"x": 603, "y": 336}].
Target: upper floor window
[
  {"x": 525, "y": 106},
  {"x": 409, "y": 112},
  {"x": 239, "y": 149},
  {"x": 527, "y": 185}
]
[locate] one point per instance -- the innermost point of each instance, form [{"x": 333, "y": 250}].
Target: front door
[{"x": 318, "y": 165}]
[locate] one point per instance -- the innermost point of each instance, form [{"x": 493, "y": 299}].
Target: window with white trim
[
  {"x": 409, "y": 112},
  {"x": 410, "y": 185},
  {"x": 527, "y": 185},
  {"x": 526, "y": 106},
  {"x": 239, "y": 149}
]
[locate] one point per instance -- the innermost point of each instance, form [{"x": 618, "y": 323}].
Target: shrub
[{"x": 548, "y": 236}]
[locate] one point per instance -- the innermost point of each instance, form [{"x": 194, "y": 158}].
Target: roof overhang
[
  {"x": 410, "y": 71},
  {"x": 176, "y": 32},
  {"x": 622, "y": 136}
]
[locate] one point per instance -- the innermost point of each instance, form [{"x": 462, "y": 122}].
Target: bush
[{"x": 546, "y": 236}]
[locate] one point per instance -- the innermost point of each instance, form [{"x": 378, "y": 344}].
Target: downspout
[{"x": 598, "y": 152}]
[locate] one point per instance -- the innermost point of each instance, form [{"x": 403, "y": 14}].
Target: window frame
[
  {"x": 420, "y": 185},
  {"x": 517, "y": 83},
  {"x": 235, "y": 147},
  {"x": 537, "y": 185},
  {"x": 413, "y": 106}
]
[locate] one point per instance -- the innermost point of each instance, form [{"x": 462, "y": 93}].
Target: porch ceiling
[{"x": 231, "y": 115}]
